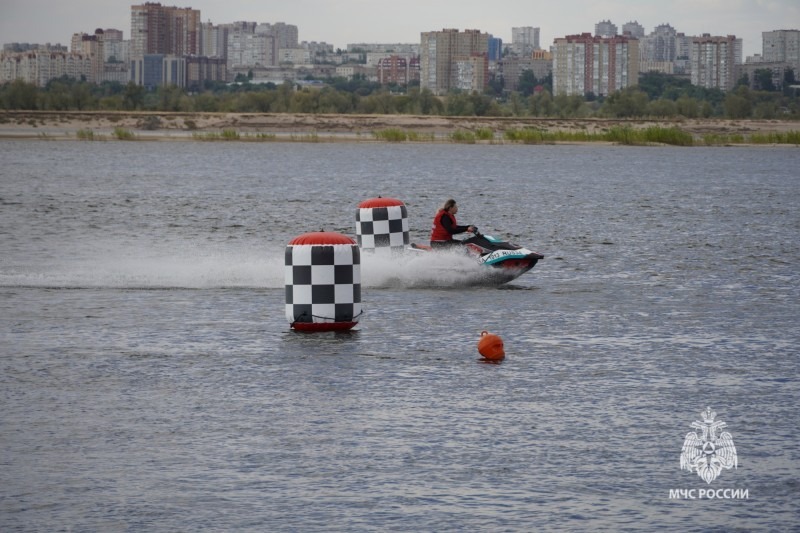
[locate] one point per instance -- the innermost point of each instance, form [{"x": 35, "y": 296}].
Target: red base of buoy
[{"x": 323, "y": 326}]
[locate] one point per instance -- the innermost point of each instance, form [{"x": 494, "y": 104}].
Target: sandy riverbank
[{"x": 176, "y": 126}]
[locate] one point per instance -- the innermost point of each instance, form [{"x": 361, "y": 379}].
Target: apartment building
[
  {"x": 10, "y": 48},
  {"x": 398, "y": 69},
  {"x": 153, "y": 70},
  {"x": 97, "y": 58},
  {"x": 470, "y": 74},
  {"x": 714, "y": 61},
  {"x": 94, "y": 47},
  {"x": 200, "y": 69},
  {"x": 251, "y": 50},
  {"x": 781, "y": 53},
  {"x": 40, "y": 66},
  {"x": 586, "y": 64},
  {"x": 633, "y": 29},
  {"x": 352, "y": 70},
  {"x": 262, "y": 46},
  {"x": 115, "y": 48},
  {"x": 285, "y": 34},
  {"x": 395, "y": 48},
  {"x": 157, "y": 29},
  {"x": 524, "y": 40},
  {"x": 511, "y": 68},
  {"x": 161, "y": 38},
  {"x": 605, "y": 28},
  {"x": 214, "y": 40},
  {"x": 495, "y": 49},
  {"x": 451, "y": 59},
  {"x": 294, "y": 56},
  {"x": 782, "y": 46},
  {"x": 659, "y": 45},
  {"x": 754, "y": 68}
]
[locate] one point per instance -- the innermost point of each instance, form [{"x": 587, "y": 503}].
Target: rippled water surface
[{"x": 150, "y": 380}]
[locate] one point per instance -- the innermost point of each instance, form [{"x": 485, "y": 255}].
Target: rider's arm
[{"x": 452, "y": 229}]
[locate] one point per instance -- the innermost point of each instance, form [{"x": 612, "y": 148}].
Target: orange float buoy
[{"x": 490, "y": 346}]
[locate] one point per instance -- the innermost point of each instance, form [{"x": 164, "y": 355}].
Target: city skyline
[{"x": 361, "y": 21}]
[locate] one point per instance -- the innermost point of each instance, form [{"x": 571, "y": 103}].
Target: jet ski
[{"x": 506, "y": 260}]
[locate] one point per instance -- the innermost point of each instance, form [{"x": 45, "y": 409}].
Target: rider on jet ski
[{"x": 445, "y": 226}]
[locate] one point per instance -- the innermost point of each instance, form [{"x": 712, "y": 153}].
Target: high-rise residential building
[
  {"x": 660, "y": 45},
  {"x": 683, "y": 46},
  {"x": 605, "y": 28},
  {"x": 27, "y": 47},
  {"x": 714, "y": 60},
  {"x": 86, "y": 59},
  {"x": 495, "y": 48},
  {"x": 396, "y": 48},
  {"x": 285, "y": 34},
  {"x": 251, "y": 45},
  {"x": 782, "y": 46},
  {"x": 585, "y": 64},
  {"x": 39, "y": 66},
  {"x": 161, "y": 38},
  {"x": 113, "y": 34},
  {"x": 214, "y": 40},
  {"x": 633, "y": 29},
  {"x": 511, "y": 68},
  {"x": 76, "y": 43},
  {"x": 352, "y": 70},
  {"x": 92, "y": 46},
  {"x": 398, "y": 69},
  {"x": 200, "y": 69},
  {"x": 373, "y": 58},
  {"x": 247, "y": 50},
  {"x": 524, "y": 40},
  {"x": 471, "y": 73},
  {"x": 446, "y": 60},
  {"x": 659, "y": 50},
  {"x": 683, "y": 52},
  {"x": 753, "y": 69},
  {"x": 104, "y": 46},
  {"x": 781, "y": 53},
  {"x": 115, "y": 47},
  {"x": 153, "y": 70},
  {"x": 157, "y": 29},
  {"x": 294, "y": 56}
]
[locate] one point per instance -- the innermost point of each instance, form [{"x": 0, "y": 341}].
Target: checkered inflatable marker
[
  {"x": 323, "y": 283},
  {"x": 382, "y": 229}
]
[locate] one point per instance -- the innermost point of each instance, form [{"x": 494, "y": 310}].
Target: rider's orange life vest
[{"x": 438, "y": 232}]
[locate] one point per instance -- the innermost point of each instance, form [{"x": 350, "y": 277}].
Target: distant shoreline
[{"x": 165, "y": 126}]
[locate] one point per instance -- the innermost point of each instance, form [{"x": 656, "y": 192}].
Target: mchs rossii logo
[{"x": 708, "y": 450}]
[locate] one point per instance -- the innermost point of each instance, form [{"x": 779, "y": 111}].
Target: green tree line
[{"x": 656, "y": 96}]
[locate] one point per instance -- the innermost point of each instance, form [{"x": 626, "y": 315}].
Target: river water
[{"x": 150, "y": 380}]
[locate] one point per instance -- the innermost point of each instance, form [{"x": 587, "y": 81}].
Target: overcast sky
[{"x": 339, "y": 22}]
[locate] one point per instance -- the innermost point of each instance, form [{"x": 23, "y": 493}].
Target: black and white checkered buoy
[
  {"x": 382, "y": 226},
  {"x": 323, "y": 282}
]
